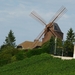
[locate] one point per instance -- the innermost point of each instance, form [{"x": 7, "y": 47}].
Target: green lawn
[{"x": 43, "y": 64}]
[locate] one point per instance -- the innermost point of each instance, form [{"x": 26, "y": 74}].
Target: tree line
[
  {"x": 10, "y": 40},
  {"x": 9, "y": 52}
]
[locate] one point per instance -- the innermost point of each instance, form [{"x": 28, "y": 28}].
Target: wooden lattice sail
[{"x": 51, "y": 29}]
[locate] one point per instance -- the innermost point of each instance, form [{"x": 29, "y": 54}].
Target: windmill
[{"x": 51, "y": 29}]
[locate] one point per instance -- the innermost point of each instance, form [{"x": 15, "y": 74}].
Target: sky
[{"x": 15, "y": 16}]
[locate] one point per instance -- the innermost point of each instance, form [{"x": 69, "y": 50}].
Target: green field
[{"x": 43, "y": 64}]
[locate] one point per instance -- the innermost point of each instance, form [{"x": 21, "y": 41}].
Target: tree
[
  {"x": 59, "y": 43},
  {"x": 10, "y": 39},
  {"x": 52, "y": 45},
  {"x": 68, "y": 44},
  {"x": 70, "y": 35},
  {"x": 55, "y": 46}
]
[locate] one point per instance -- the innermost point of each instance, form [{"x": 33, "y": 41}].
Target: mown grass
[{"x": 43, "y": 64}]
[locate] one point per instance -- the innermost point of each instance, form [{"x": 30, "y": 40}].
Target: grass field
[{"x": 43, "y": 64}]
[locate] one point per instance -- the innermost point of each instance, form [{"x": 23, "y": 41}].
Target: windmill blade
[
  {"x": 59, "y": 14},
  {"x": 39, "y": 34},
  {"x": 37, "y": 39},
  {"x": 38, "y": 17},
  {"x": 53, "y": 33}
]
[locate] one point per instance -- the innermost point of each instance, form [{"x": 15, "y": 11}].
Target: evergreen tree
[
  {"x": 68, "y": 44},
  {"x": 71, "y": 35},
  {"x": 10, "y": 39}
]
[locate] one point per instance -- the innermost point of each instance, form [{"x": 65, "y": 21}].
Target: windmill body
[{"x": 54, "y": 30}]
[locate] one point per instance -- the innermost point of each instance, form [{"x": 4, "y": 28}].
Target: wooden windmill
[{"x": 51, "y": 29}]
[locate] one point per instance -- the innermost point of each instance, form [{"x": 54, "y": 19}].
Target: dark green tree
[
  {"x": 68, "y": 44},
  {"x": 70, "y": 35},
  {"x": 10, "y": 39},
  {"x": 52, "y": 45},
  {"x": 59, "y": 43},
  {"x": 59, "y": 46}
]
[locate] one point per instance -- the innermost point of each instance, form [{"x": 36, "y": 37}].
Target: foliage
[
  {"x": 68, "y": 44},
  {"x": 10, "y": 39},
  {"x": 68, "y": 48},
  {"x": 59, "y": 47},
  {"x": 13, "y": 58},
  {"x": 46, "y": 44},
  {"x": 43, "y": 64},
  {"x": 51, "y": 45},
  {"x": 10, "y": 54},
  {"x": 38, "y": 51},
  {"x": 6, "y": 54},
  {"x": 59, "y": 43},
  {"x": 8, "y": 50},
  {"x": 70, "y": 35},
  {"x": 20, "y": 55}
]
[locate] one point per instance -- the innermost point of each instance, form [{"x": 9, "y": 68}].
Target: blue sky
[{"x": 14, "y": 15}]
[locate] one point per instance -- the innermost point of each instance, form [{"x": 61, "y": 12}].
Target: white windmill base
[
  {"x": 74, "y": 56},
  {"x": 74, "y": 52}
]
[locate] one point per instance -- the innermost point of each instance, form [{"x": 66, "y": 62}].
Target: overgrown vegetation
[{"x": 43, "y": 64}]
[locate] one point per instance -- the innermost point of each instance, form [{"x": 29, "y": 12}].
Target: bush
[
  {"x": 5, "y": 59},
  {"x": 20, "y": 55},
  {"x": 13, "y": 58},
  {"x": 6, "y": 55},
  {"x": 36, "y": 51},
  {"x": 3, "y": 62}
]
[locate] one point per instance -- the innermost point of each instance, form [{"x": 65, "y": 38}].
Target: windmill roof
[{"x": 56, "y": 27}]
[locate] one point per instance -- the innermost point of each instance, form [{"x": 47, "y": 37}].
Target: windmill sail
[
  {"x": 37, "y": 40},
  {"x": 48, "y": 29},
  {"x": 38, "y": 17},
  {"x": 58, "y": 14}
]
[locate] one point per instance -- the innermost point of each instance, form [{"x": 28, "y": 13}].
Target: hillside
[{"x": 43, "y": 64}]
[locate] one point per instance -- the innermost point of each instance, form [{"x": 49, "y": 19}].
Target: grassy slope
[{"x": 42, "y": 64}]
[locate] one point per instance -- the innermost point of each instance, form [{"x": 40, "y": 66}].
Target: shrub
[
  {"x": 20, "y": 55},
  {"x": 6, "y": 58},
  {"x": 13, "y": 58},
  {"x": 6, "y": 55},
  {"x": 36, "y": 51}
]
